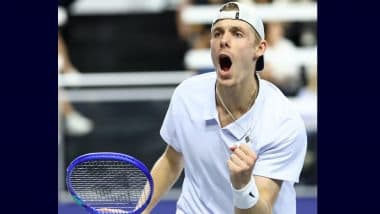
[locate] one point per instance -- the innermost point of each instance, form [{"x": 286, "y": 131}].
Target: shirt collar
[{"x": 246, "y": 122}]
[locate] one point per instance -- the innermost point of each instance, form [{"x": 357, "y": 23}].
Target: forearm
[
  {"x": 165, "y": 172},
  {"x": 63, "y": 52},
  {"x": 267, "y": 190}
]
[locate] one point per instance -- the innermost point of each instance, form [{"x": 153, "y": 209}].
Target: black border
[{"x": 347, "y": 107}]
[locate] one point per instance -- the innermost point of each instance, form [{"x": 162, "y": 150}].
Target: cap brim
[{"x": 260, "y": 64}]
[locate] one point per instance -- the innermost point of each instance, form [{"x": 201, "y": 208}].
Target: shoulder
[
  {"x": 274, "y": 98},
  {"x": 194, "y": 96},
  {"x": 281, "y": 114}
]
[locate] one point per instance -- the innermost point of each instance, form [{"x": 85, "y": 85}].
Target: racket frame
[{"x": 107, "y": 156}]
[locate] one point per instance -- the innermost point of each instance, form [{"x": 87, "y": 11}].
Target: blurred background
[{"x": 120, "y": 60}]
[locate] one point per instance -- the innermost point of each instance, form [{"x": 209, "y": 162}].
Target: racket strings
[{"x": 110, "y": 183}]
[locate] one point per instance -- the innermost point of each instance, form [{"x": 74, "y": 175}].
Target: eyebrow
[
  {"x": 233, "y": 29},
  {"x": 237, "y": 28},
  {"x": 217, "y": 29}
]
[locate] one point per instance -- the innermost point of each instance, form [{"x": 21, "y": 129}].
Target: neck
[{"x": 238, "y": 99}]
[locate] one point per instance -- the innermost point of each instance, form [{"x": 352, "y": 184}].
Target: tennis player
[{"x": 239, "y": 140}]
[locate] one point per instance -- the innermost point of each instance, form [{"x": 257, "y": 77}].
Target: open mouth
[{"x": 225, "y": 62}]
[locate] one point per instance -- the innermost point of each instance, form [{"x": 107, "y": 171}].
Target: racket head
[{"x": 93, "y": 164}]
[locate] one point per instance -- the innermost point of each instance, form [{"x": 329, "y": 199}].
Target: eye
[
  {"x": 238, "y": 34},
  {"x": 216, "y": 34}
]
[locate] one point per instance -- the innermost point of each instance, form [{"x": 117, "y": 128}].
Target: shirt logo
[{"x": 250, "y": 194}]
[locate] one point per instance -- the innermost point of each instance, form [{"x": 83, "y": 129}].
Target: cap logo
[{"x": 237, "y": 15}]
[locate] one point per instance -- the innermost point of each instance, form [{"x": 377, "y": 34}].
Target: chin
[{"x": 226, "y": 82}]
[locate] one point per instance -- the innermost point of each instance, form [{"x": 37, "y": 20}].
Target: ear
[{"x": 260, "y": 49}]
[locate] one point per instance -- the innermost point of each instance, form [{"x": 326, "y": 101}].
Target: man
[{"x": 239, "y": 140}]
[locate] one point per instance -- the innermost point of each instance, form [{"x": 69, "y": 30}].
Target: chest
[{"x": 207, "y": 146}]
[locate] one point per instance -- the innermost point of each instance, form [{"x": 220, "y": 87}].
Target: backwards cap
[{"x": 248, "y": 15}]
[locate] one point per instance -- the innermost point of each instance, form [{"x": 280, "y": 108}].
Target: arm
[
  {"x": 241, "y": 164},
  {"x": 165, "y": 172},
  {"x": 268, "y": 191},
  {"x": 64, "y": 53}
]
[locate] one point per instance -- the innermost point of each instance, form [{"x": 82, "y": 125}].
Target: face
[{"x": 233, "y": 51}]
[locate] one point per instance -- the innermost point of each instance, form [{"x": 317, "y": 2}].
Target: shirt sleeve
[
  {"x": 168, "y": 129},
  {"x": 283, "y": 157}
]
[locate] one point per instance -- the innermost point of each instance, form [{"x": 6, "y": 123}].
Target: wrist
[{"x": 247, "y": 196}]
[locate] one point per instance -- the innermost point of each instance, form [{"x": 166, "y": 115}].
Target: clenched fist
[{"x": 240, "y": 165}]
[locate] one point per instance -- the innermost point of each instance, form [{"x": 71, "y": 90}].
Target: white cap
[
  {"x": 244, "y": 13},
  {"x": 247, "y": 14}
]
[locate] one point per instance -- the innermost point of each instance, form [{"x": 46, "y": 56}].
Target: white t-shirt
[{"x": 191, "y": 126}]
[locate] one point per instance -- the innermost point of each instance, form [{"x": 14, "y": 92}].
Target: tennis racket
[{"x": 108, "y": 183}]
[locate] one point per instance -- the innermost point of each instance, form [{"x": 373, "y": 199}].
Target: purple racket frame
[{"x": 107, "y": 156}]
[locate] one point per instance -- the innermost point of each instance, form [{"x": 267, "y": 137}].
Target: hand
[{"x": 240, "y": 165}]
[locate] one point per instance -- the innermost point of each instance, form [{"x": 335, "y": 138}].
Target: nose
[{"x": 225, "y": 41}]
